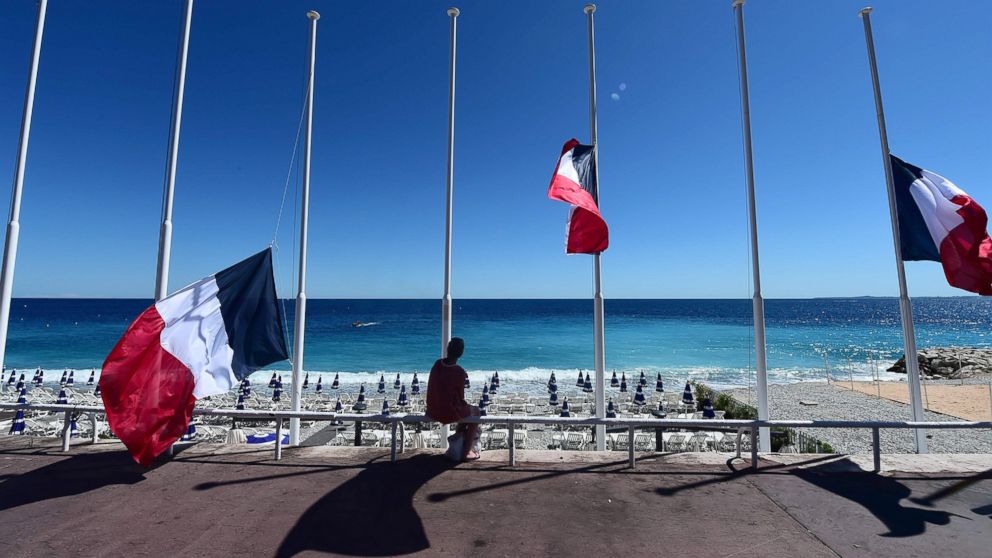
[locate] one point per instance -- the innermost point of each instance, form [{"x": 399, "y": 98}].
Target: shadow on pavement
[
  {"x": 69, "y": 477},
  {"x": 882, "y": 496},
  {"x": 371, "y": 514}
]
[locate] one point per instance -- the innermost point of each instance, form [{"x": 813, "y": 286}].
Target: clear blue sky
[{"x": 670, "y": 142}]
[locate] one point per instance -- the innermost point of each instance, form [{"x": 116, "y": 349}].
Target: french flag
[
  {"x": 574, "y": 182},
  {"x": 939, "y": 222},
  {"x": 197, "y": 342}
]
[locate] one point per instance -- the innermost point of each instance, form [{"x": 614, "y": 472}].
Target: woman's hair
[{"x": 456, "y": 347}]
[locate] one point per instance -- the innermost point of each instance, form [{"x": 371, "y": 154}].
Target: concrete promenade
[{"x": 214, "y": 500}]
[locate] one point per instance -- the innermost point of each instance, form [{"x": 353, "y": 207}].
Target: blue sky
[{"x": 671, "y": 169}]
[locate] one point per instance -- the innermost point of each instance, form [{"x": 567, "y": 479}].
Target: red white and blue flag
[
  {"x": 574, "y": 182},
  {"x": 939, "y": 222},
  {"x": 200, "y": 341}
]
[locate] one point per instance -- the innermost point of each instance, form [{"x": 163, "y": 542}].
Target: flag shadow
[
  {"x": 72, "y": 476},
  {"x": 351, "y": 519}
]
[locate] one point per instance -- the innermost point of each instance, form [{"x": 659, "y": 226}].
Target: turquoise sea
[{"x": 526, "y": 339}]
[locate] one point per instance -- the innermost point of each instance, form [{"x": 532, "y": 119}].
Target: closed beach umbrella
[
  {"x": 62, "y": 399},
  {"x": 19, "y": 386},
  {"x": 402, "y": 401},
  {"x": 581, "y": 381},
  {"x": 687, "y": 394},
  {"x": 468, "y": 384},
  {"x": 73, "y": 427},
  {"x": 13, "y": 374},
  {"x": 643, "y": 380},
  {"x": 22, "y": 397},
  {"x": 338, "y": 407},
  {"x": 564, "y": 409},
  {"x": 190, "y": 434},
  {"x": 360, "y": 404},
  {"x": 320, "y": 386},
  {"x": 272, "y": 381},
  {"x": 277, "y": 392},
  {"x": 659, "y": 386},
  {"x": 385, "y": 408},
  {"x": 65, "y": 376},
  {"x": 623, "y": 382},
  {"x": 41, "y": 376},
  {"x": 37, "y": 378},
  {"x": 92, "y": 378},
  {"x": 96, "y": 390},
  {"x": 306, "y": 381},
  {"x": 611, "y": 409},
  {"x": 21, "y": 379},
  {"x": 482, "y": 408},
  {"x": 587, "y": 385},
  {"x": 241, "y": 403},
  {"x": 485, "y": 394},
  {"x": 493, "y": 386},
  {"x": 246, "y": 387},
  {"x": 415, "y": 385},
  {"x": 335, "y": 384},
  {"x": 553, "y": 380},
  {"x": 553, "y": 399},
  {"x": 72, "y": 379},
  {"x": 553, "y": 388},
  {"x": 382, "y": 384},
  {"x": 496, "y": 378},
  {"x": 708, "y": 409},
  {"x": 639, "y": 396},
  {"x": 17, "y": 427},
  {"x": 396, "y": 382},
  {"x": 614, "y": 382}
]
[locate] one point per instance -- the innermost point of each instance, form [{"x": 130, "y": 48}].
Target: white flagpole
[
  {"x": 757, "y": 302},
  {"x": 905, "y": 307},
  {"x": 453, "y": 13},
  {"x": 299, "y": 324},
  {"x": 599, "y": 340},
  {"x": 446, "y": 297},
  {"x": 165, "y": 233},
  {"x": 13, "y": 224}
]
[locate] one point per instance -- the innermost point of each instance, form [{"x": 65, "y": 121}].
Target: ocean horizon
[{"x": 525, "y": 339}]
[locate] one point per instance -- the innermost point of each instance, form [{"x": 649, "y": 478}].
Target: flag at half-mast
[
  {"x": 939, "y": 222},
  {"x": 574, "y": 182},
  {"x": 200, "y": 341}
]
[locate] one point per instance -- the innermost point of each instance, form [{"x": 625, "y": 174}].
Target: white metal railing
[{"x": 398, "y": 420}]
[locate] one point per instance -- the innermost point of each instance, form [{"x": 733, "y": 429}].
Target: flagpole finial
[
  {"x": 590, "y": 8},
  {"x": 736, "y": 3},
  {"x": 453, "y": 12},
  {"x": 312, "y": 14},
  {"x": 865, "y": 11}
]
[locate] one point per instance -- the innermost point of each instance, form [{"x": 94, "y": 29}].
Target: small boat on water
[{"x": 363, "y": 324}]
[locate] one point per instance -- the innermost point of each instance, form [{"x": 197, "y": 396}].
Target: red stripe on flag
[
  {"x": 587, "y": 233},
  {"x": 147, "y": 392},
  {"x": 966, "y": 251}
]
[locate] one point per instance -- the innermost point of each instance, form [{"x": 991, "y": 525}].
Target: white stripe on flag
[
  {"x": 195, "y": 334},
  {"x": 566, "y": 167},
  {"x": 932, "y": 194}
]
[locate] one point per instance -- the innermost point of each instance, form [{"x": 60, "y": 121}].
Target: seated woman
[{"x": 446, "y": 396}]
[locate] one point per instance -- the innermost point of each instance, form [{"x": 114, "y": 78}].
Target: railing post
[
  {"x": 740, "y": 435},
  {"x": 876, "y": 450},
  {"x": 392, "y": 443},
  {"x": 630, "y": 447},
  {"x": 402, "y": 436},
  {"x": 94, "y": 435},
  {"x": 358, "y": 433},
  {"x": 278, "y": 439},
  {"x": 754, "y": 447},
  {"x": 65, "y": 431},
  {"x": 513, "y": 445}
]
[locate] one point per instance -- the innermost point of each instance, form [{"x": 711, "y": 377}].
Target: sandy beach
[{"x": 969, "y": 402}]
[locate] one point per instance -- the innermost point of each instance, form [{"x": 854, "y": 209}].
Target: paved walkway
[{"x": 225, "y": 500}]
